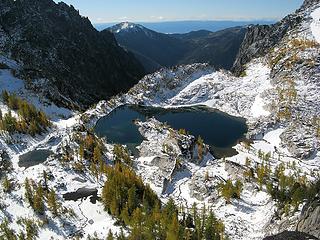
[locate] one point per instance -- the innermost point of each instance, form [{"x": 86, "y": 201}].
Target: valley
[
  {"x": 189, "y": 151},
  {"x": 156, "y": 50}
]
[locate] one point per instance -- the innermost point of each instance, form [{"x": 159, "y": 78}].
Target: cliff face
[
  {"x": 52, "y": 41},
  {"x": 259, "y": 39},
  {"x": 291, "y": 236},
  {"x": 309, "y": 3},
  {"x": 310, "y": 218}
]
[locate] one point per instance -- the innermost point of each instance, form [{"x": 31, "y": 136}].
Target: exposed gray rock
[
  {"x": 279, "y": 224},
  {"x": 300, "y": 141},
  {"x": 309, "y": 3},
  {"x": 235, "y": 170},
  {"x": 310, "y": 218},
  {"x": 201, "y": 188},
  {"x": 290, "y": 236},
  {"x": 259, "y": 39}
]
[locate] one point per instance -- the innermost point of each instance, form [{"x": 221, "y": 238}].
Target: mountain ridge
[
  {"x": 185, "y": 26},
  {"x": 261, "y": 38},
  {"x": 168, "y": 50},
  {"x": 52, "y": 41},
  {"x": 269, "y": 188}
]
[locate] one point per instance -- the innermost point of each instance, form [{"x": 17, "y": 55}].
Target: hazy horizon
[
  {"x": 114, "y": 11},
  {"x": 186, "y": 26},
  {"x": 186, "y": 20}
]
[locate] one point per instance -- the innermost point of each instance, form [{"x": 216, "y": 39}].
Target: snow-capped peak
[{"x": 126, "y": 26}]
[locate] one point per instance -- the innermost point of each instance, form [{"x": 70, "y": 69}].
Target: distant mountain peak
[{"x": 125, "y": 27}]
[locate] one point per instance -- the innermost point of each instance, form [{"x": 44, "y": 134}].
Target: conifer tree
[
  {"x": 238, "y": 189},
  {"x": 94, "y": 170},
  {"x": 33, "y": 128},
  {"x": 210, "y": 232},
  {"x": 200, "y": 148},
  {"x": 261, "y": 171},
  {"x": 5, "y": 96},
  {"x": 9, "y": 122},
  {"x": 38, "y": 204},
  {"x": 125, "y": 215},
  {"x": 132, "y": 199},
  {"x": 97, "y": 154},
  {"x": 7, "y": 184},
  {"x": 110, "y": 235},
  {"x": 173, "y": 230},
  {"x": 114, "y": 207},
  {"x": 31, "y": 229},
  {"x": 28, "y": 191},
  {"x": 81, "y": 151},
  {"x": 53, "y": 202},
  {"x": 226, "y": 190},
  {"x": 136, "y": 222},
  {"x": 6, "y": 232}
]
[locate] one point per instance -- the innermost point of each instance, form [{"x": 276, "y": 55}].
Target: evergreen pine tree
[
  {"x": 260, "y": 175},
  {"x": 226, "y": 190},
  {"x": 5, "y": 96},
  {"x": 33, "y": 128},
  {"x": 28, "y": 192},
  {"x": 6, "y": 232},
  {"x": 173, "y": 230},
  {"x": 210, "y": 232},
  {"x": 7, "y": 184},
  {"x": 110, "y": 235},
  {"x": 114, "y": 207},
  {"x": 53, "y": 202},
  {"x": 38, "y": 204},
  {"x": 137, "y": 223},
  {"x": 125, "y": 215},
  {"x": 81, "y": 151},
  {"x": 94, "y": 170},
  {"x": 132, "y": 199},
  {"x": 238, "y": 189},
  {"x": 200, "y": 148},
  {"x": 97, "y": 155}
]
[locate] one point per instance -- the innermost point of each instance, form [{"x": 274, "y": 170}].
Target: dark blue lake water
[
  {"x": 221, "y": 131},
  {"x": 34, "y": 157}
]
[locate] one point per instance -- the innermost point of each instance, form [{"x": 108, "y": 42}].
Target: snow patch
[
  {"x": 315, "y": 25},
  {"x": 273, "y": 137}
]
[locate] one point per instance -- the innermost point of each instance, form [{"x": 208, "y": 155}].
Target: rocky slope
[
  {"x": 278, "y": 94},
  {"x": 61, "y": 50},
  {"x": 291, "y": 236},
  {"x": 259, "y": 39},
  {"x": 309, "y": 221}
]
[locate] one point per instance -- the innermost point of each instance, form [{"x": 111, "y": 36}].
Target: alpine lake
[{"x": 218, "y": 129}]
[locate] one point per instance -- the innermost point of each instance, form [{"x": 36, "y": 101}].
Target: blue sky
[{"x": 103, "y": 11}]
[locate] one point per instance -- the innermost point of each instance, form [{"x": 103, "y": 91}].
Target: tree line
[
  {"x": 136, "y": 206},
  {"x": 30, "y": 120}
]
